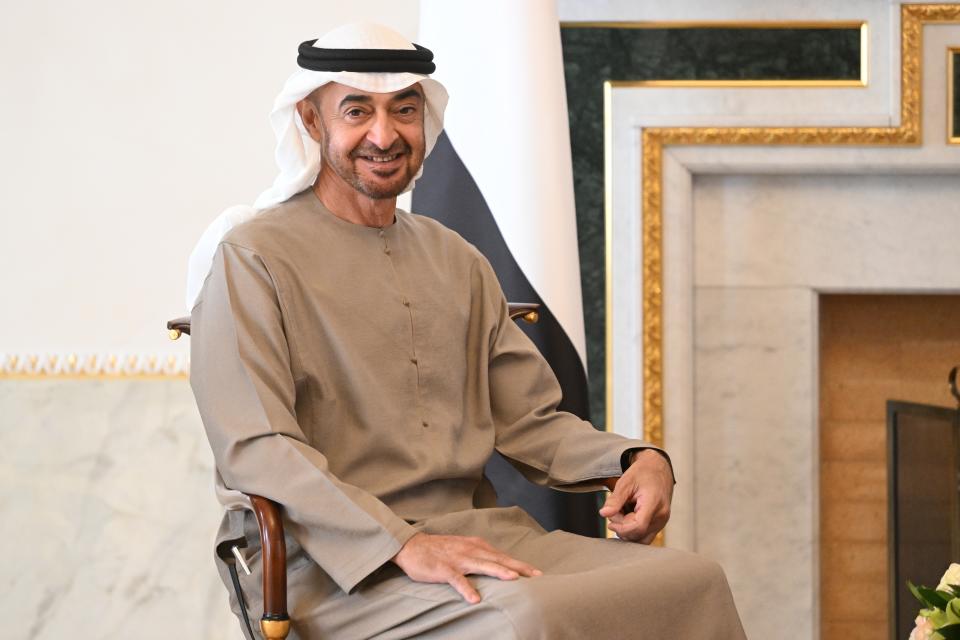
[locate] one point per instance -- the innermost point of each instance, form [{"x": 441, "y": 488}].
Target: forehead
[{"x": 335, "y": 93}]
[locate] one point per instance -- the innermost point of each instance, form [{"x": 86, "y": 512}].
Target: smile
[{"x": 381, "y": 159}]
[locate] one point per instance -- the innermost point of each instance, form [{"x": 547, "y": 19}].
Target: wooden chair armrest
[
  {"x": 275, "y": 623},
  {"x": 178, "y": 326},
  {"x": 526, "y": 310}
]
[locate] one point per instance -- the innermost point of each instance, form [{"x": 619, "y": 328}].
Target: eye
[
  {"x": 407, "y": 110},
  {"x": 354, "y": 112}
]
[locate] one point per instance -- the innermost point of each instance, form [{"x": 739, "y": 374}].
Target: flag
[{"x": 501, "y": 176}]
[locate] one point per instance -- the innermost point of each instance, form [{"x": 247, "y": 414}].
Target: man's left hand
[{"x": 639, "y": 505}]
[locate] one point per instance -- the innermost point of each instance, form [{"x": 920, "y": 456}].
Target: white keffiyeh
[{"x": 297, "y": 154}]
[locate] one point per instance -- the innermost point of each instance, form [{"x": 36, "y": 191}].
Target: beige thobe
[{"x": 361, "y": 378}]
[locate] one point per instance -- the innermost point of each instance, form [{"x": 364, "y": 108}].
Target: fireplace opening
[{"x": 881, "y": 353}]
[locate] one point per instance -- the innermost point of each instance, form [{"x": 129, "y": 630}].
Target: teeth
[{"x": 382, "y": 158}]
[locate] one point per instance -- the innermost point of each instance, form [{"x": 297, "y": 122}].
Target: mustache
[{"x": 399, "y": 146}]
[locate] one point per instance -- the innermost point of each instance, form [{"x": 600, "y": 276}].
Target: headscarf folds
[{"x": 353, "y": 46}]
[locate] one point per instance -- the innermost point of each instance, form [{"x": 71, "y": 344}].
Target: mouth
[{"x": 383, "y": 160}]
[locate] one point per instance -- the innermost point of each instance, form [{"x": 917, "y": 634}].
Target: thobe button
[
  {"x": 413, "y": 360},
  {"x": 406, "y": 302},
  {"x": 387, "y": 251},
  {"x": 425, "y": 423},
  {"x": 381, "y": 233}
]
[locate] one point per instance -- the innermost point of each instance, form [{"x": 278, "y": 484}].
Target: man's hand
[
  {"x": 430, "y": 558},
  {"x": 639, "y": 505}
]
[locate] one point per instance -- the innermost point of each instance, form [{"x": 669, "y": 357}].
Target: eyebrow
[
  {"x": 355, "y": 97},
  {"x": 409, "y": 93}
]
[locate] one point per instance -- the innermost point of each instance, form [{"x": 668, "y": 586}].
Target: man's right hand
[{"x": 430, "y": 558}]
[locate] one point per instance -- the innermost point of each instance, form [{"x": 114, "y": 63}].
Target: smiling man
[{"x": 356, "y": 364}]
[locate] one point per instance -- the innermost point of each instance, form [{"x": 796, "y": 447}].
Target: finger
[
  {"x": 616, "y": 518},
  {"x": 519, "y": 566},
  {"x": 649, "y": 538},
  {"x": 634, "y": 528},
  {"x": 628, "y": 529},
  {"x": 464, "y": 588},
  {"x": 615, "y": 500},
  {"x": 644, "y": 511},
  {"x": 495, "y": 555},
  {"x": 490, "y": 568}
]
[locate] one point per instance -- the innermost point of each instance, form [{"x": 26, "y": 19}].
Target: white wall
[{"x": 125, "y": 127}]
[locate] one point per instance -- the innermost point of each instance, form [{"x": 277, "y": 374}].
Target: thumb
[{"x": 615, "y": 501}]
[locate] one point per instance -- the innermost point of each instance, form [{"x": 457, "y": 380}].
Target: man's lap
[{"x": 590, "y": 588}]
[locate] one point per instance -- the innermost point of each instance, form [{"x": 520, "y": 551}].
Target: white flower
[
  {"x": 923, "y": 630},
  {"x": 952, "y": 576}
]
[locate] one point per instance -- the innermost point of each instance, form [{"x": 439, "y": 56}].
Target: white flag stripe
[{"x": 502, "y": 65}]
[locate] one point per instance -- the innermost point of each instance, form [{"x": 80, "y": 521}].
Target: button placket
[{"x": 405, "y": 301}]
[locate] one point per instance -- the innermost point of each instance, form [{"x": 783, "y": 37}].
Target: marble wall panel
[
  {"x": 755, "y": 422},
  {"x": 108, "y": 513},
  {"x": 828, "y": 232}
]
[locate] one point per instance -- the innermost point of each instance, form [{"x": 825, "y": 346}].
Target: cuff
[
  {"x": 347, "y": 578},
  {"x": 626, "y": 455}
]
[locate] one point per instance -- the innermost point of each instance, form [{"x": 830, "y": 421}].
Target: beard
[{"x": 386, "y": 183}]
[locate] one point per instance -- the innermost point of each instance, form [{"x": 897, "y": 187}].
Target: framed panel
[{"x": 953, "y": 100}]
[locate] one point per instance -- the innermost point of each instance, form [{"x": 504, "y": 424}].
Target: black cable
[{"x": 243, "y": 605}]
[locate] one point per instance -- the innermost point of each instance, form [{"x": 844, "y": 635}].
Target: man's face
[{"x": 372, "y": 141}]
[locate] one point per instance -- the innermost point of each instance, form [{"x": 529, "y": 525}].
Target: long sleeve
[
  {"x": 243, "y": 376},
  {"x": 548, "y": 446}
]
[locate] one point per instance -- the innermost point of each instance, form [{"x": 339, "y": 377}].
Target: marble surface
[
  {"x": 893, "y": 232},
  {"x": 755, "y": 416},
  {"x": 107, "y": 508}
]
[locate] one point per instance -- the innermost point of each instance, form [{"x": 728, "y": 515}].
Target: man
[{"x": 356, "y": 364}]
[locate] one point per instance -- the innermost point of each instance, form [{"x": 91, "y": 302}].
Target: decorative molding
[
  {"x": 144, "y": 366},
  {"x": 913, "y": 17},
  {"x": 860, "y": 26},
  {"x": 953, "y": 137}
]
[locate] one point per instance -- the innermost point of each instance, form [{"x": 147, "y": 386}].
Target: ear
[{"x": 310, "y": 116}]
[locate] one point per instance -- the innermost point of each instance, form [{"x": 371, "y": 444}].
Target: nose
[{"x": 382, "y": 131}]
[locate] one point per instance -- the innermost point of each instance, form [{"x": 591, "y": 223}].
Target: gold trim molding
[
  {"x": 952, "y": 53},
  {"x": 913, "y": 18},
  {"x": 93, "y": 366},
  {"x": 609, "y": 85}
]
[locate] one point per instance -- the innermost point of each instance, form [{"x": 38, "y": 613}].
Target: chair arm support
[
  {"x": 275, "y": 622},
  {"x": 178, "y": 326},
  {"x": 526, "y": 310}
]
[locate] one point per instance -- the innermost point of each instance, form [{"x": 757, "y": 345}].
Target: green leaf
[
  {"x": 928, "y": 597},
  {"x": 946, "y": 595},
  {"x": 934, "y": 598},
  {"x": 915, "y": 590},
  {"x": 956, "y": 590},
  {"x": 950, "y": 632}
]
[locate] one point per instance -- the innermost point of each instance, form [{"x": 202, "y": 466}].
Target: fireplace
[{"x": 887, "y": 442}]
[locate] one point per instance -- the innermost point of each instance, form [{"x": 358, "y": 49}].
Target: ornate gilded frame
[
  {"x": 609, "y": 85},
  {"x": 655, "y": 139},
  {"x": 952, "y": 53}
]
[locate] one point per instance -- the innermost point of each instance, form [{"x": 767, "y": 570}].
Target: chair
[{"x": 275, "y": 622}]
